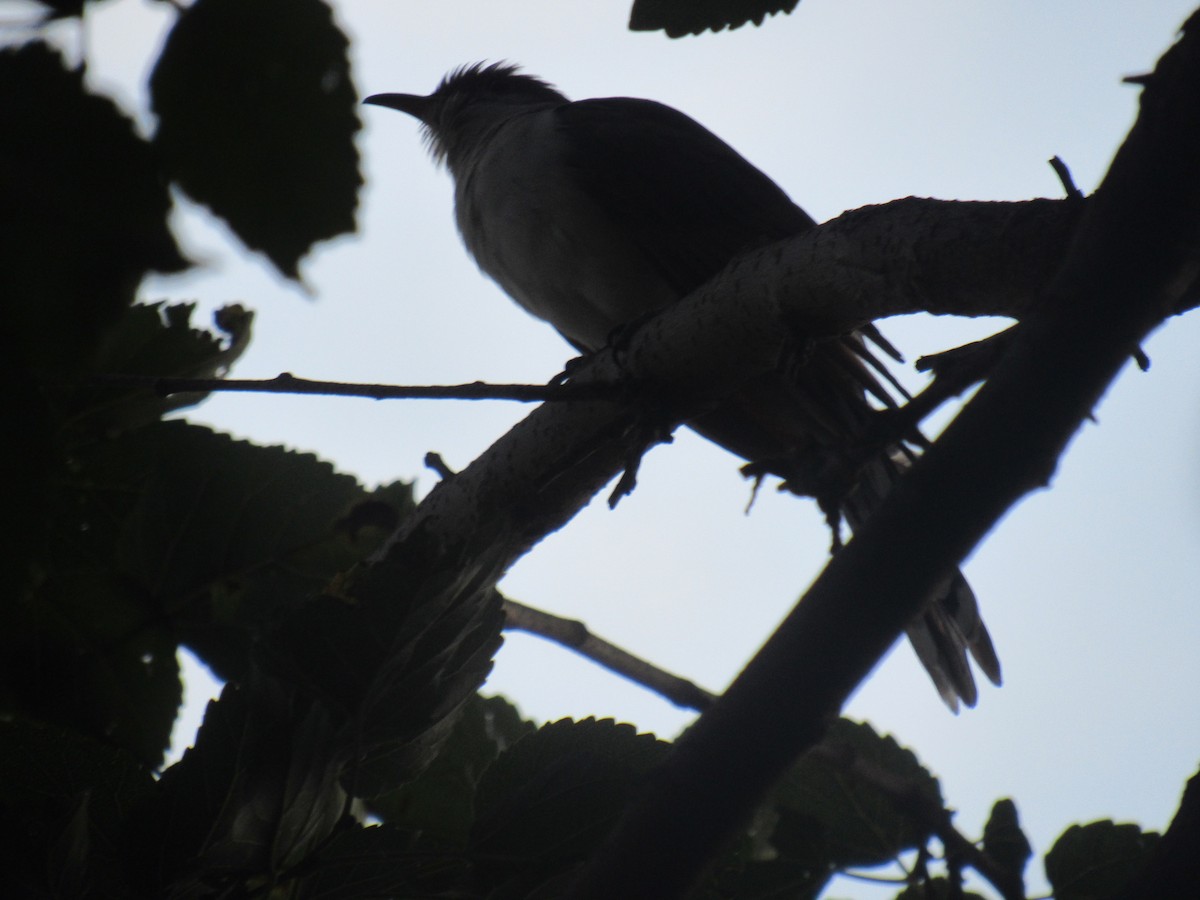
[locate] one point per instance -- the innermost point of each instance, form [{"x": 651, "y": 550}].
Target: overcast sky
[{"x": 1089, "y": 588}]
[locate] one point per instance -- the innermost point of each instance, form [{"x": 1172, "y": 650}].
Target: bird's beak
[{"x": 415, "y": 105}]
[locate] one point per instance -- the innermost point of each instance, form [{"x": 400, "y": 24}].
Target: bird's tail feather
[{"x": 950, "y": 627}]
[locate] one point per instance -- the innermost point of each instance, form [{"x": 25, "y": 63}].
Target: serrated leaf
[
  {"x": 257, "y": 792},
  {"x": 397, "y": 651},
  {"x": 1003, "y": 839},
  {"x": 83, "y": 651},
  {"x": 379, "y": 861},
  {"x": 257, "y": 120},
  {"x": 680, "y": 17},
  {"x": 548, "y": 801},
  {"x": 228, "y": 536},
  {"x": 777, "y": 879},
  {"x": 853, "y": 820},
  {"x": 410, "y": 706},
  {"x": 1095, "y": 861},
  {"x": 158, "y": 340},
  {"x": 93, "y": 210},
  {"x": 439, "y": 806},
  {"x": 67, "y": 808}
]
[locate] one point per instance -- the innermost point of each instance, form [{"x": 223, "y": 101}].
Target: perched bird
[{"x": 593, "y": 214}]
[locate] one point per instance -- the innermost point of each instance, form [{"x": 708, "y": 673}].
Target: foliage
[
  {"x": 680, "y": 17},
  {"x": 349, "y": 754}
]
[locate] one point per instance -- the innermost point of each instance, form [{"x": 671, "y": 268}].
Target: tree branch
[{"x": 575, "y": 635}]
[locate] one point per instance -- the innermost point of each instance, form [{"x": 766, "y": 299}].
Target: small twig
[
  {"x": 1064, "y": 176},
  {"x": 286, "y": 383},
  {"x": 435, "y": 462},
  {"x": 953, "y": 371},
  {"x": 575, "y": 635}
]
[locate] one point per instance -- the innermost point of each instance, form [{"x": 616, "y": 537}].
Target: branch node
[{"x": 435, "y": 462}]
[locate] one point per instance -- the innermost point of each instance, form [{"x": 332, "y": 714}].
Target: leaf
[
  {"x": 256, "y": 793},
  {"x": 396, "y": 660},
  {"x": 1096, "y": 861},
  {"x": 158, "y": 340},
  {"x": 64, "y": 9},
  {"x": 439, "y": 806},
  {"x": 93, "y": 211},
  {"x": 257, "y": 120},
  {"x": 228, "y": 536},
  {"x": 68, "y": 808},
  {"x": 1004, "y": 841},
  {"x": 547, "y": 802},
  {"x": 82, "y": 653},
  {"x": 823, "y": 802},
  {"x": 680, "y": 17},
  {"x": 776, "y": 879},
  {"x": 379, "y": 861}
]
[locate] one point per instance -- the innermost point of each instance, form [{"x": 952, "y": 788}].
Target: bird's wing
[{"x": 688, "y": 200}]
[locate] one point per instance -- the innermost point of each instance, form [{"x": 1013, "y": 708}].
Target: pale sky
[{"x": 1089, "y": 588}]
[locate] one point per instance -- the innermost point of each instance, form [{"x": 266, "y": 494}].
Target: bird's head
[{"x": 469, "y": 102}]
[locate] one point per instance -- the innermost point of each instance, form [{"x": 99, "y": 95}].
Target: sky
[{"x": 1089, "y": 587}]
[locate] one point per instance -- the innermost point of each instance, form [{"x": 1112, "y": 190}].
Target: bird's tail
[
  {"x": 804, "y": 425},
  {"x": 950, "y": 627}
]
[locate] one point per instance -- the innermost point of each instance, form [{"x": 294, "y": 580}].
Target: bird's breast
[{"x": 550, "y": 246}]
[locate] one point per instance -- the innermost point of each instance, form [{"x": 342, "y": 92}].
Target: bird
[{"x": 594, "y": 214}]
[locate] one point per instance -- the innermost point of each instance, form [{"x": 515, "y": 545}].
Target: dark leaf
[
  {"x": 153, "y": 339},
  {"x": 680, "y": 17},
  {"x": 379, "y": 861},
  {"x": 81, "y": 651},
  {"x": 440, "y": 804},
  {"x": 546, "y": 803},
  {"x": 825, "y": 802},
  {"x": 256, "y": 793},
  {"x": 1004, "y": 841},
  {"x": 257, "y": 120},
  {"x": 777, "y": 879},
  {"x": 92, "y": 217},
  {"x": 398, "y": 661},
  {"x": 67, "y": 808},
  {"x": 227, "y": 536},
  {"x": 1095, "y": 861}
]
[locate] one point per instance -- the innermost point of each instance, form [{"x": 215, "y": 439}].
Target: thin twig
[
  {"x": 286, "y": 383},
  {"x": 575, "y": 635},
  {"x": 1064, "y": 176}
]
